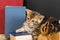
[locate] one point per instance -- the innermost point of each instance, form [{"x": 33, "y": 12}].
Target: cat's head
[{"x": 33, "y": 17}]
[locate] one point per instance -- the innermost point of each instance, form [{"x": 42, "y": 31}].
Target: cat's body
[
  {"x": 33, "y": 19},
  {"x": 25, "y": 28}
]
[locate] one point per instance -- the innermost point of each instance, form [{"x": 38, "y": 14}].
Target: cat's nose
[{"x": 35, "y": 23}]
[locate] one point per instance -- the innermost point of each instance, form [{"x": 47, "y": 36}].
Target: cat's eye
[
  {"x": 36, "y": 21},
  {"x": 28, "y": 18},
  {"x": 32, "y": 20},
  {"x": 40, "y": 18}
]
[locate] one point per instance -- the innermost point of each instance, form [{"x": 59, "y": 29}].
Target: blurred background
[{"x": 46, "y": 7}]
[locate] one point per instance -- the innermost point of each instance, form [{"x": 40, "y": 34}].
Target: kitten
[{"x": 33, "y": 19}]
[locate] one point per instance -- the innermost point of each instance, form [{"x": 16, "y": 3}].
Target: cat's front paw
[
  {"x": 17, "y": 31},
  {"x": 20, "y": 30}
]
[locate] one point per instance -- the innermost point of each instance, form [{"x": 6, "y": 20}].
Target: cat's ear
[
  {"x": 28, "y": 13},
  {"x": 41, "y": 17}
]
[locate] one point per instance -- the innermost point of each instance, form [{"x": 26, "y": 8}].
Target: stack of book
[{"x": 14, "y": 18}]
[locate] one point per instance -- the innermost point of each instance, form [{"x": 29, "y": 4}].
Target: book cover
[{"x": 14, "y": 18}]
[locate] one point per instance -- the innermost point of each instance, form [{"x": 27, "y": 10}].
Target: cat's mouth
[{"x": 33, "y": 26}]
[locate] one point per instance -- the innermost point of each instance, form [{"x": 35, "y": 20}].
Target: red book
[{"x": 4, "y": 3}]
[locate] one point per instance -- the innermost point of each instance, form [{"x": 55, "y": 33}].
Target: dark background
[{"x": 46, "y": 7}]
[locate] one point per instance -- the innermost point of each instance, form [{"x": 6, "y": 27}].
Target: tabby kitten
[{"x": 33, "y": 19}]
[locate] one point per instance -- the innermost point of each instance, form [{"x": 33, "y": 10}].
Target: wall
[{"x": 46, "y": 7}]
